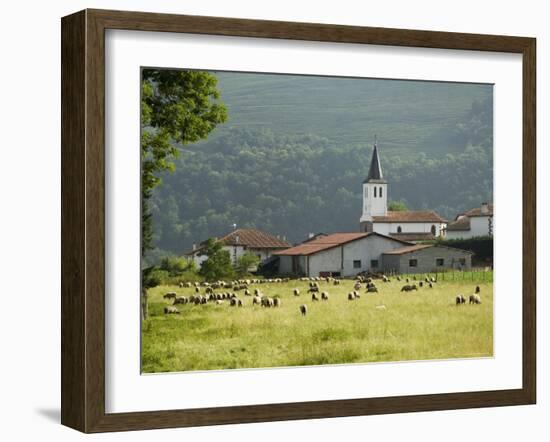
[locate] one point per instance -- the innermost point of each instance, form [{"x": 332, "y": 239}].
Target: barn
[
  {"x": 338, "y": 254},
  {"x": 424, "y": 258}
]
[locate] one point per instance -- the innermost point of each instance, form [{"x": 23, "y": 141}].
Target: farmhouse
[
  {"x": 240, "y": 241},
  {"x": 475, "y": 222},
  {"x": 405, "y": 225},
  {"x": 423, "y": 258},
  {"x": 338, "y": 254}
]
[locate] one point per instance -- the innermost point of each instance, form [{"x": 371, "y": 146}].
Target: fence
[{"x": 478, "y": 274}]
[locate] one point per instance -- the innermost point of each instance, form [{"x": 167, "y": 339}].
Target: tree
[
  {"x": 246, "y": 262},
  {"x": 218, "y": 264},
  {"x": 178, "y": 107},
  {"x": 397, "y": 206}
]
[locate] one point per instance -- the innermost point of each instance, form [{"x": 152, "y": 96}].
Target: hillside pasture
[{"x": 379, "y": 327}]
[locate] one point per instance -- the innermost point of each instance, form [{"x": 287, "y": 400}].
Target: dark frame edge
[
  {"x": 73, "y": 142},
  {"x": 83, "y": 236}
]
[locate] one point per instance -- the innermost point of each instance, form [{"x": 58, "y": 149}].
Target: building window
[
  {"x": 357, "y": 264},
  {"x": 374, "y": 263},
  {"x": 433, "y": 229},
  {"x": 380, "y": 191},
  {"x": 375, "y": 192},
  {"x": 462, "y": 261},
  {"x": 439, "y": 262},
  {"x": 413, "y": 262},
  {"x": 399, "y": 229}
]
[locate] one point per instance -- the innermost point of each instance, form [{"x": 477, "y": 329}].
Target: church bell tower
[{"x": 375, "y": 193}]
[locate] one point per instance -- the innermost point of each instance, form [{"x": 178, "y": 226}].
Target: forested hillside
[{"x": 293, "y": 155}]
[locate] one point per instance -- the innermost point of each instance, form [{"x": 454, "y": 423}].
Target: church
[{"x": 406, "y": 225}]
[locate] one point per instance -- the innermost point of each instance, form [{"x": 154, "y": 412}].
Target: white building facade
[{"x": 473, "y": 223}]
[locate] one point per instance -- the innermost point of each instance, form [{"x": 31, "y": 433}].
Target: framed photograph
[{"x": 267, "y": 221}]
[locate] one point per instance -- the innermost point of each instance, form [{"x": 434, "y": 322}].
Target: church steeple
[
  {"x": 375, "y": 193},
  {"x": 375, "y": 170}
]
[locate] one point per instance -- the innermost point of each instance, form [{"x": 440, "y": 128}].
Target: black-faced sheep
[
  {"x": 478, "y": 289},
  {"x": 256, "y": 300},
  {"x": 460, "y": 299},
  {"x": 296, "y": 292},
  {"x": 303, "y": 309},
  {"x": 409, "y": 287},
  {"x": 277, "y": 302},
  {"x": 351, "y": 296},
  {"x": 372, "y": 290},
  {"x": 169, "y": 310},
  {"x": 324, "y": 296},
  {"x": 170, "y": 295},
  {"x": 180, "y": 300},
  {"x": 314, "y": 297}
]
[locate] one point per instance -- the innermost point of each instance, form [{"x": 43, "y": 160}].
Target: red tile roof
[
  {"x": 322, "y": 243},
  {"x": 461, "y": 224},
  {"x": 477, "y": 211},
  {"x": 250, "y": 238},
  {"x": 253, "y": 238},
  {"x": 328, "y": 242},
  {"x": 409, "y": 216}
]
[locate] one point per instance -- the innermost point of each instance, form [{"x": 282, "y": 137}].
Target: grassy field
[{"x": 413, "y": 326}]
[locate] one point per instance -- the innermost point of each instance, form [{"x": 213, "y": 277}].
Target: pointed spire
[{"x": 375, "y": 171}]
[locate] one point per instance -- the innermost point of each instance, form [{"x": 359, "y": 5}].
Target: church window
[
  {"x": 433, "y": 229},
  {"x": 375, "y": 192},
  {"x": 399, "y": 229},
  {"x": 380, "y": 191}
]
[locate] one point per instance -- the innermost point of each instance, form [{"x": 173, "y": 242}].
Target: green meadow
[{"x": 379, "y": 327}]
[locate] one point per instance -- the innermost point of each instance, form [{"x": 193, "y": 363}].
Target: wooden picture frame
[{"x": 83, "y": 220}]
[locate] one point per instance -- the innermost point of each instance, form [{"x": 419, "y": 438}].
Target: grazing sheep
[
  {"x": 356, "y": 294},
  {"x": 409, "y": 287},
  {"x": 313, "y": 290},
  {"x": 351, "y": 296},
  {"x": 433, "y": 280},
  {"x": 247, "y": 293},
  {"x": 398, "y": 278},
  {"x": 219, "y": 301},
  {"x": 372, "y": 290},
  {"x": 431, "y": 285},
  {"x": 303, "y": 309},
  {"x": 277, "y": 302},
  {"x": 197, "y": 290},
  {"x": 233, "y": 302},
  {"x": 256, "y": 300},
  {"x": 170, "y": 295},
  {"x": 336, "y": 282},
  {"x": 421, "y": 284},
  {"x": 296, "y": 292},
  {"x": 478, "y": 289},
  {"x": 460, "y": 299},
  {"x": 169, "y": 310},
  {"x": 357, "y": 286},
  {"x": 180, "y": 300},
  {"x": 314, "y": 297},
  {"x": 324, "y": 296},
  {"x": 474, "y": 299},
  {"x": 181, "y": 285}
]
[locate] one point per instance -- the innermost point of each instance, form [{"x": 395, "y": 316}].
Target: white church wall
[{"x": 391, "y": 228}]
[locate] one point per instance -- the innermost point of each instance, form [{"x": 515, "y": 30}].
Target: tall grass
[{"x": 413, "y": 326}]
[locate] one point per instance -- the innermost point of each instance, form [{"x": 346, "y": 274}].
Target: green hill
[{"x": 293, "y": 155}]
